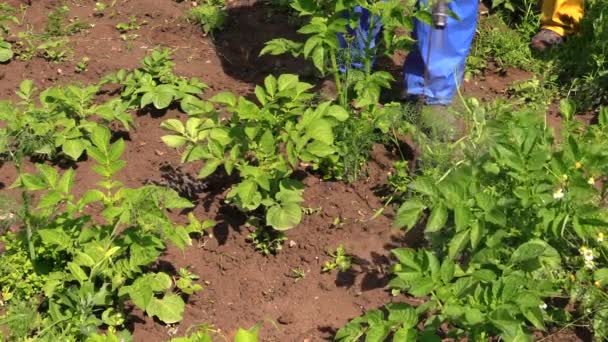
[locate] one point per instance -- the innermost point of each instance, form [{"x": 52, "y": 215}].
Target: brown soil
[{"x": 242, "y": 286}]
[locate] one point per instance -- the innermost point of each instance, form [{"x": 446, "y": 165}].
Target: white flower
[
  {"x": 565, "y": 177},
  {"x": 558, "y": 194},
  {"x": 588, "y": 257},
  {"x": 591, "y": 181},
  {"x": 543, "y": 306}
]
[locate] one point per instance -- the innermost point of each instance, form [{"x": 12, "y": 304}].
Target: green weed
[
  {"x": 340, "y": 260},
  {"x": 267, "y": 241},
  {"x": 210, "y": 15}
]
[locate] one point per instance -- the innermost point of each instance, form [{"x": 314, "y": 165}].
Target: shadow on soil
[
  {"x": 239, "y": 44},
  {"x": 373, "y": 273}
]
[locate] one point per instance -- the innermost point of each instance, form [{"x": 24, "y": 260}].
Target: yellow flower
[
  {"x": 564, "y": 177},
  {"x": 597, "y": 284},
  {"x": 572, "y": 277},
  {"x": 600, "y": 237},
  {"x": 591, "y": 181},
  {"x": 578, "y": 165}
]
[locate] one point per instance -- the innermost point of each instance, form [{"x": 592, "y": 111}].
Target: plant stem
[{"x": 336, "y": 72}]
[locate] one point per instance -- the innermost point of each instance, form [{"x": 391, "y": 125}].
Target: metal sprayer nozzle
[{"x": 440, "y": 15}]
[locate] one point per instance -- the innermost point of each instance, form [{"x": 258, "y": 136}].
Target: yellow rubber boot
[{"x": 561, "y": 16}]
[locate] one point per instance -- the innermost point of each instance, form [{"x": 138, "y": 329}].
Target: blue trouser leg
[
  {"x": 448, "y": 53},
  {"x": 361, "y": 36}
]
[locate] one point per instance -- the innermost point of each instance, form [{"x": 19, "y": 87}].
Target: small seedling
[
  {"x": 267, "y": 241},
  {"x": 297, "y": 274},
  {"x": 210, "y": 15},
  {"x": 340, "y": 260},
  {"x": 99, "y": 8},
  {"x": 186, "y": 282},
  {"x": 312, "y": 211},
  {"x": 82, "y": 65},
  {"x": 132, "y": 25}
]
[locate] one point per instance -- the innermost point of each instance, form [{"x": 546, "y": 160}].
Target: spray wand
[{"x": 440, "y": 14}]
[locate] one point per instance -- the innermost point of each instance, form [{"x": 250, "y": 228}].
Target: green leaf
[
  {"x": 407, "y": 256},
  {"x": 73, "y": 148},
  {"x": 338, "y": 112},
  {"x": 529, "y": 250},
  {"x": 280, "y": 46},
  {"x": 210, "y": 166},
  {"x": 320, "y": 149},
  {"x": 284, "y": 216},
  {"x": 50, "y": 199},
  {"x": 406, "y": 335},
  {"x": 161, "y": 97},
  {"x": 54, "y": 237},
  {"x": 66, "y": 182},
  {"x": 409, "y": 213},
  {"x": 424, "y": 185},
  {"x": 318, "y": 58},
  {"x": 462, "y": 217},
  {"x": 32, "y": 182},
  {"x": 100, "y": 137},
  {"x": 477, "y": 232},
  {"x": 448, "y": 268},
  {"x": 49, "y": 174},
  {"x": 535, "y": 316},
  {"x": 225, "y": 97},
  {"x": 173, "y": 125},
  {"x": 116, "y": 150},
  {"x": 421, "y": 287},
  {"x": 402, "y": 314},
  {"x": 77, "y": 272},
  {"x": 567, "y": 108},
  {"x": 473, "y": 316},
  {"x": 287, "y": 81},
  {"x": 601, "y": 275},
  {"x": 377, "y": 333},
  {"x": 458, "y": 243},
  {"x": 437, "y": 219},
  {"x": 159, "y": 282},
  {"x": 250, "y": 335},
  {"x": 174, "y": 141},
  {"x": 6, "y": 51},
  {"x": 169, "y": 309}
]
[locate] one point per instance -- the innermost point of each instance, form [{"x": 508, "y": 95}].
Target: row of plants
[
  {"x": 76, "y": 260},
  {"x": 515, "y": 230}
]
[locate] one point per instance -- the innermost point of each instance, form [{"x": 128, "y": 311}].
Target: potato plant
[
  {"x": 331, "y": 20},
  {"x": 93, "y": 266},
  {"x": 62, "y": 122},
  {"x": 155, "y": 83},
  {"x": 265, "y": 143},
  {"x": 518, "y": 221}
]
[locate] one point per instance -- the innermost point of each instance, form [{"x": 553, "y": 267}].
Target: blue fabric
[
  {"x": 446, "y": 61},
  {"x": 361, "y": 37}
]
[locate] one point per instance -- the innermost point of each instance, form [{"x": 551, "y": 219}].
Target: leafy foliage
[
  {"x": 155, "y": 83},
  {"x": 264, "y": 143},
  {"x": 7, "y": 14},
  {"x": 92, "y": 267},
  {"x": 62, "y": 122},
  {"x": 340, "y": 260},
  {"x": 396, "y": 322},
  {"x": 508, "y": 225},
  {"x": 210, "y": 15}
]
